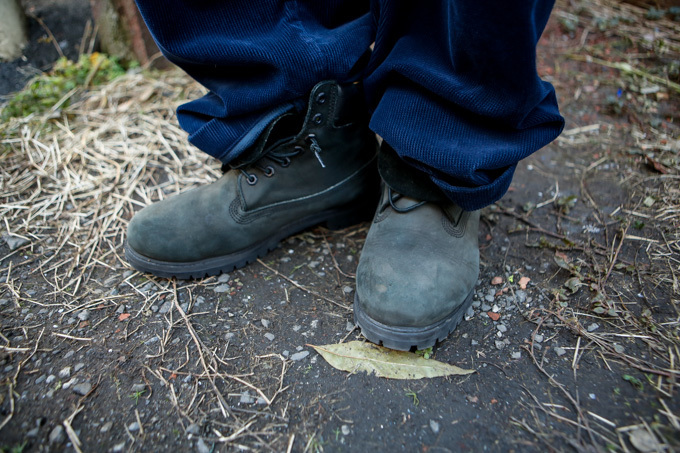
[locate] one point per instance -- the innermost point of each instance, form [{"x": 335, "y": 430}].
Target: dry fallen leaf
[
  {"x": 562, "y": 260},
  {"x": 523, "y": 282},
  {"x": 494, "y": 316},
  {"x": 124, "y": 316},
  {"x": 359, "y": 356},
  {"x": 644, "y": 441}
]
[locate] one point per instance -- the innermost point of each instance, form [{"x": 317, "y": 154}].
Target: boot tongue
[
  {"x": 282, "y": 129},
  {"x": 405, "y": 179}
]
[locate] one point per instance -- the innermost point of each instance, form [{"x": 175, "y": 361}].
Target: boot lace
[
  {"x": 280, "y": 157},
  {"x": 395, "y": 196}
]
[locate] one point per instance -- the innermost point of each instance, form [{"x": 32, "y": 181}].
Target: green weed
[
  {"x": 635, "y": 382},
  {"x": 136, "y": 395},
  {"x": 414, "y": 395},
  {"x": 46, "y": 90}
]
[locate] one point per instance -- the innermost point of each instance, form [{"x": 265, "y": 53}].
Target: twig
[
  {"x": 139, "y": 422},
  {"x": 564, "y": 391},
  {"x": 10, "y": 389},
  {"x": 63, "y": 335},
  {"x": 224, "y": 407},
  {"x": 613, "y": 262},
  {"x": 335, "y": 262},
  {"x": 627, "y": 68},
  {"x": 73, "y": 437},
  {"x": 234, "y": 435},
  {"x": 299, "y": 286},
  {"x": 49, "y": 33},
  {"x": 291, "y": 441}
]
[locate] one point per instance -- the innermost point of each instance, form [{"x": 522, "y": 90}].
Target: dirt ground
[{"x": 581, "y": 357}]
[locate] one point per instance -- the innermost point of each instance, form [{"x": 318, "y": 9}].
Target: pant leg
[
  {"x": 258, "y": 58},
  {"x": 454, "y": 90}
]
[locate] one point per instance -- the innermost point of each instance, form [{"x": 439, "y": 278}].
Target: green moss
[{"x": 46, "y": 90}]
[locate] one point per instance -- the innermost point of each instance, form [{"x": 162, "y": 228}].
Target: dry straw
[{"x": 71, "y": 179}]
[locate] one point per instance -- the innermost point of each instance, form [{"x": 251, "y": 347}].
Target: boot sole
[
  {"x": 405, "y": 338},
  {"x": 333, "y": 219}
]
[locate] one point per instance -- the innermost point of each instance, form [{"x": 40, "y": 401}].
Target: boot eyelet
[
  {"x": 285, "y": 162},
  {"x": 251, "y": 179},
  {"x": 318, "y": 118},
  {"x": 269, "y": 171},
  {"x": 321, "y": 98}
]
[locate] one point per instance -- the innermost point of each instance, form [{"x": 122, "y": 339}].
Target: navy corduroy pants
[{"x": 451, "y": 85}]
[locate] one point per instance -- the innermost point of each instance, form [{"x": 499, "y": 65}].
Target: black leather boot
[
  {"x": 419, "y": 265},
  {"x": 304, "y": 170}
]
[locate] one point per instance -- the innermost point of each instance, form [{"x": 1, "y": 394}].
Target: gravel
[
  {"x": 224, "y": 288},
  {"x": 57, "y": 435},
  {"x": 299, "y": 355},
  {"x": 65, "y": 372},
  {"x": 14, "y": 242},
  {"x": 83, "y": 388},
  {"x": 165, "y": 308},
  {"x": 84, "y": 315},
  {"x": 246, "y": 398},
  {"x": 201, "y": 447}
]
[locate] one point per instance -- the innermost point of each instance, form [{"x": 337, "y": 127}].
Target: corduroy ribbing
[
  {"x": 454, "y": 90},
  {"x": 451, "y": 85},
  {"x": 255, "y": 57}
]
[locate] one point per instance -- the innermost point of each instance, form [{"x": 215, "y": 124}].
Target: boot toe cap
[{"x": 412, "y": 291}]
